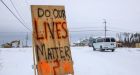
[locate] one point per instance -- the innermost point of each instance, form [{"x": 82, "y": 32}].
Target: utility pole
[
  {"x": 105, "y": 26},
  {"x": 27, "y": 39}
]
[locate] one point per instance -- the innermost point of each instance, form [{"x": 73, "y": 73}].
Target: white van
[{"x": 103, "y": 44}]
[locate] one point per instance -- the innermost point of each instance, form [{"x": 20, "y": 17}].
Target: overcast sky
[{"x": 121, "y": 15}]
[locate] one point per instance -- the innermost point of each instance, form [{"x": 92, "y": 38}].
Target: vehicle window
[
  {"x": 100, "y": 40},
  {"x": 107, "y": 39},
  {"x": 94, "y": 41},
  {"x": 112, "y": 40}
]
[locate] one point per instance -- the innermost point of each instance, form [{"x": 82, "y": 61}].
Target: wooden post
[{"x": 34, "y": 54}]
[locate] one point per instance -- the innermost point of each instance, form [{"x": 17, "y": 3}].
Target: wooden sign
[{"x": 51, "y": 40}]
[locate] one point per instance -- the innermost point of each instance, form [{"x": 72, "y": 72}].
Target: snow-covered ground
[
  {"x": 124, "y": 61},
  {"x": 16, "y": 61}
]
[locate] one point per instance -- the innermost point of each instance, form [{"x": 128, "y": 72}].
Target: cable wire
[
  {"x": 16, "y": 11},
  {"x": 14, "y": 15},
  {"x": 86, "y": 30}
]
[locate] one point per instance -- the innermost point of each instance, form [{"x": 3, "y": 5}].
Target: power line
[
  {"x": 15, "y": 15},
  {"x": 15, "y": 32},
  {"x": 87, "y": 30},
  {"x": 123, "y": 29},
  {"x": 116, "y": 31},
  {"x": 16, "y": 11},
  {"x": 84, "y": 27}
]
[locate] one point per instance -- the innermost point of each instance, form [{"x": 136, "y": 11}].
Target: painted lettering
[
  {"x": 36, "y": 30},
  {"x": 40, "y": 12}
]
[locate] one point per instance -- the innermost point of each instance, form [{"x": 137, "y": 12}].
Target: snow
[
  {"x": 121, "y": 62},
  {"x": 124, "y": 61},
  {"x": 16, "y": 61}
]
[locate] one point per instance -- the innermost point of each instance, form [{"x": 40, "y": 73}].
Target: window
[
  {"x": 112, "y": 40},
  {"x": 100, "y": 40},
  {"x": 107, "y": 39},
  {"x": 94, "y": 40}
]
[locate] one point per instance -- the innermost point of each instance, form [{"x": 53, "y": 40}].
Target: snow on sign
[{"x": 51, "y": 40}]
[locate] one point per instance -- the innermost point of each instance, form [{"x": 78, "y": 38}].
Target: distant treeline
[{"x": 128, "y": 39}]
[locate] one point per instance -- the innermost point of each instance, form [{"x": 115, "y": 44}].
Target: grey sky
[{"x": 121, "y": 15}]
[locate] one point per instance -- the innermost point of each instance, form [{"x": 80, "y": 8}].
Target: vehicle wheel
[
  {"x": 101, "y": 49},
  {"x": 113, "y": 50},
  {"x": 93, "y": 48}
]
